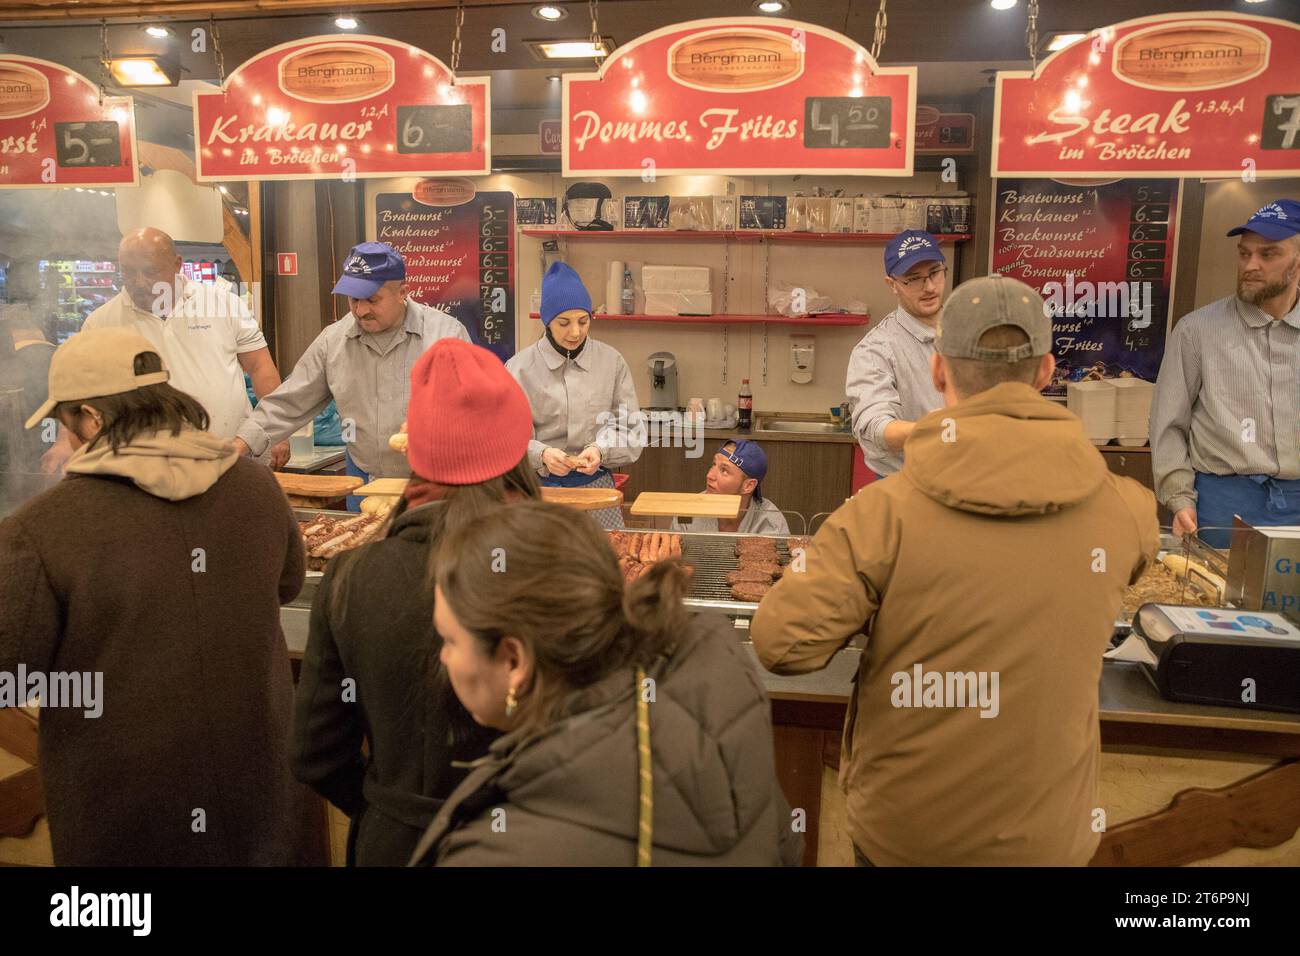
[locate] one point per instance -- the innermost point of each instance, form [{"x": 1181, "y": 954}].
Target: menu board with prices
[
  {"x": 496, "y": 270},
  {"x": 458, "y": 247},
  {"x": 57, "y": 130},
  {"x": 740, "y": 96},
  {"x": 1102, "y": 258}
]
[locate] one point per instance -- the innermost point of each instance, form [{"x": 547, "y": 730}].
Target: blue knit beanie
[{"x": 562, "y": 290}]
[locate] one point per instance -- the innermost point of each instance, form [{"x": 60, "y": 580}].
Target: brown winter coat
[
  {"x": 1002, "y": 547},
  {"x": 99, "y": 575}
]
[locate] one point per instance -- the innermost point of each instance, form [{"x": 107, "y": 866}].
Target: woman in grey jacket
[{"x": 636, "y": 733}]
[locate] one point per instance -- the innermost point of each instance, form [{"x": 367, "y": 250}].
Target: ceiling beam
[{"x": 45, "y": 11}]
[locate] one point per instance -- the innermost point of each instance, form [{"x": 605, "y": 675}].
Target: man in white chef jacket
[{"x": 204, "y": 333}]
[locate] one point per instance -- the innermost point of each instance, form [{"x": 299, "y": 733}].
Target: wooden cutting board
[
  {"x": 660, "y": 504},
  {"x": 383, "y": 486},
  {"x": 317, "y": 486},
  {"x": 583, "y": 499}
]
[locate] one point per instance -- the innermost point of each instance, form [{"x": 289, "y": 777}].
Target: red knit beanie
[{"x": 468, "y": 419}]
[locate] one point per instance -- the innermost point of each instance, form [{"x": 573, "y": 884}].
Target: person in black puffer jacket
[
  {"x": 371, "y": 672},
  {"x": 637, "y": 733}
]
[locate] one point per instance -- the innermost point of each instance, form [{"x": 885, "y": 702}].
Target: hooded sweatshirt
[
  {"x": 568, "y": 794},
  {"x": 988, "y": 574},
  {"x": 155, "y": 574},
  {"x": 166, "y": 465}
]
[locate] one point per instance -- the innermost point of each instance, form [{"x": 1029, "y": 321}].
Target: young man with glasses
[{"x": 889, "y": 371}]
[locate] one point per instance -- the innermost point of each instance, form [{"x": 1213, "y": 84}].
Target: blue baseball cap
[
  {"x": 368, "y": 266},
  {"x": 908, "y": 248},
  {"x": 1278, "y": 220},
  {"x": 750, "y": 458}
]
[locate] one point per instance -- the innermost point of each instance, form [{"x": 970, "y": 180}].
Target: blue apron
[
  {"x": 574, "y": 479},
  {"x": 354, "y": 503},
  {"x": 1259, "y": 499}
]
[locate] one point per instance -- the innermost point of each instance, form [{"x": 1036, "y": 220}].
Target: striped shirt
[
  {"x": 1227, "y": 400},
  {"x": 369, "y": 377},
  {"x": 889, "y": 380}
]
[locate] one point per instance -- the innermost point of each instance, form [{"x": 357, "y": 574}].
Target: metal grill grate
[{"x": 714, "y": 556}]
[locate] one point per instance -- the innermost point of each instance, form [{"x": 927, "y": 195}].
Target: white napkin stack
[
  {"x": 1133, "y": 410},
  {"x": 1094, "y": 402}
]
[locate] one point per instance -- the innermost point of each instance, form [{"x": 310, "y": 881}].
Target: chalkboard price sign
[
  {"x": 846, "y": 122},
  {"x": 1146, "y": 250},
  {"x": 435, "y": 129},
  {"x": 1148, "y": 232},
  {"x": 92, "y": 143},
  {"x": 1281, "y": 122},
  {"x": 458, "y": 258},
  {"x": 1150, "y": 212},
  {"x": 494, "y": 273}
]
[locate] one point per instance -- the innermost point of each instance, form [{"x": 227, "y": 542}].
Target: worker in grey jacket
[
  {"x": 363, "y": 361},
  {"x": 888, "y": 380},
  {"x": 1225, "y": 418}
]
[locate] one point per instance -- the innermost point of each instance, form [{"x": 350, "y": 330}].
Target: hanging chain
[
  {"x": 595, "y": 31},
  {"x": 455, "y": 40},
  {"x": 882, "y": 23},
  {"x": 104, "y": 58},
  {"x": 1031, "y": 34},
  {"x": 217, "y": 52}
]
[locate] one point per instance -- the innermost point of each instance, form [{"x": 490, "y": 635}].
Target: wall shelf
[
  {"x": 739, "y": 235},
  {"x": 826, "y": 321}
]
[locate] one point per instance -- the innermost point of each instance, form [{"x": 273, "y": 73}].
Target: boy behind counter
[{"x": 738, "y": 469}]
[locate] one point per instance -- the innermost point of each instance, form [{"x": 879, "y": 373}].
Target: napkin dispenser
[{"x": 1264, "y": 568}]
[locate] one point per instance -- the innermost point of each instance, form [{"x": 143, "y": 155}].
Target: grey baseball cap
[{"x": 981, "y": 304}]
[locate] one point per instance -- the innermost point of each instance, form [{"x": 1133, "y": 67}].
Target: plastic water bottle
[
  {"x": 629, "y": 292},
  {"x": 744, "y": 406}
]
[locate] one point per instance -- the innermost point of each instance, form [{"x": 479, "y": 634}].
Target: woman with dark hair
[
  {"x": 150, "y": 579},
  {"x": 371, "y": 674},
  {"x": 585, "y": 413},
  {"x": 636, "y": 732}
]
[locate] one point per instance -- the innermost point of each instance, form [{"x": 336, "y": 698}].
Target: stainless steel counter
[{"x": 1125, "y": 694}]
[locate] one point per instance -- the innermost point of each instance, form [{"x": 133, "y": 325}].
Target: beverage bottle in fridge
[
  {"x": 629, "y": 293},
  {"x": 745, "y": 406}
]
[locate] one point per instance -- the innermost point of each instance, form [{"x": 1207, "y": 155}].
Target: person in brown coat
[
  {"x": 636, "y": 732},
  {"x": 988, "y": 573},
  {"x": 143, "y": 591}
]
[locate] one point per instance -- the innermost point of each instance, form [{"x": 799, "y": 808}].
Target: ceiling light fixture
[
  {"x": 1061, "y": 40},
  {"x": 772, "y": 7},
  {"x": 345, "y": 23},
  {"x": 550, "y": 12},
  {"x": 145, "y": 70},
  {"x": 569, "y": 49},
  {"x": 1002, "y": 4},
  {"x": 157, "y": 32}
]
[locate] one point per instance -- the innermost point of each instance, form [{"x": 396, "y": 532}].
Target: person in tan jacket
[{"x": 988, "y": 572}]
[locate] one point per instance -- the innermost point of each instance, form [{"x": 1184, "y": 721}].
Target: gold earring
[{"x": 511, "y": 703}]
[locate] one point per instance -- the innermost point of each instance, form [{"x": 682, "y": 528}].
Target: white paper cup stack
[
  {"x": 1133, "y": 411},
  {"x": 1094, "y": 403}
]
